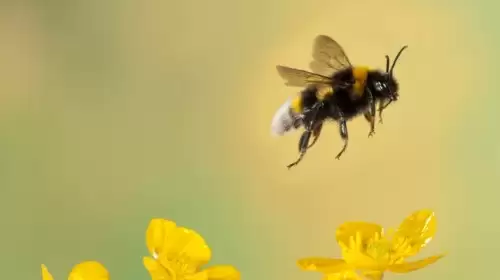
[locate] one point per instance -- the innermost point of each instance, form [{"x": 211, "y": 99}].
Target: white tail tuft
[{"x": 283, "y": 120}]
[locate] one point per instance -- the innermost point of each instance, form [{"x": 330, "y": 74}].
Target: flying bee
[{"x": 335, "y": 90}]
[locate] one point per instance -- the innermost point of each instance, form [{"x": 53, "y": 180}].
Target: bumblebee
[{"x": 335, "y": 90}]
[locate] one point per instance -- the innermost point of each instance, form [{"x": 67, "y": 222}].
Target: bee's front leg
[{"x": 381, "y": 108}]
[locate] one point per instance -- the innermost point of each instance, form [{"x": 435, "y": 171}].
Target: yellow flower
[
  {"x": 178, "y": 254},
  {"x": 367, "y": 250},
  {"x": 89, "y": 270}
]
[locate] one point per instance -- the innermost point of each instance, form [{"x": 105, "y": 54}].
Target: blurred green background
[{"x": 115, "y": 112}]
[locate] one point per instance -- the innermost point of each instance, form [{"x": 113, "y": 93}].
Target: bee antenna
[
  {"x": 387, "y": 62},
  {"x": 396, "y": 59}
]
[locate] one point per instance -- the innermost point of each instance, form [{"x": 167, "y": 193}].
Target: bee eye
[{"x": 379, "y": 86}]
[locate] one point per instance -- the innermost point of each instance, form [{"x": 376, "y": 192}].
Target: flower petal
[
  {"x": 177, "y": 244},
  {"x": 374, "y": 275},
  {"x": 202, "y": 275},
  {"x": 361, "y": 231},
  {"x": 361, "y": 260},
  {"x": 90, "y": 270},
  {"x": 324, "y": 265},
  {"x": 355, "y": 238},
  {"x": 156, "y": 234},
  {"x": 155, "y": 269},
  {"x": 411, "y": 266},
  {"x": 344, "y": 275},
  {"x": 46, "y": 274},
  {"x": 222, "y": 272},
  {"x": 414, "y": 233}
]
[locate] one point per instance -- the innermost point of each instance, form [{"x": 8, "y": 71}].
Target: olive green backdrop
[{"x": 114, "y": 112}]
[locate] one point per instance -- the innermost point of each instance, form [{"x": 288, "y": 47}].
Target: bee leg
[
  {"x": 343, "y": 135},
  {"x": 304, "y": 139},
  {"x": 303, "y": 142},
  {"x": 316, "y": 132},
  {"x": 368, "y": 117},
  {"x": 381, "y": 108},
  {"x": 371, "y": 113}
]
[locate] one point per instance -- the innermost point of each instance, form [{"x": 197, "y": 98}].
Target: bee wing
[
  {"x": 328, "y": 56},
  {"x": 301, "y": 78}
]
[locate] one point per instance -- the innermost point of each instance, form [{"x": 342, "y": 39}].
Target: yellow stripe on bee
[
  {"x": 360, "y": 75},
  {"x": 324, "y": 92},
  {"x": 297, "y": 104}
]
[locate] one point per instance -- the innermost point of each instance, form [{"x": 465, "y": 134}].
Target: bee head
[
  {"x": 386, "y": 87},
  {"x": 389, "y": 86}
]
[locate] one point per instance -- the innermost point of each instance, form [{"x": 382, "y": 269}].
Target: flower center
[
  {"x": 178, "y": 267},
  {"x": 380, "y": 251}
]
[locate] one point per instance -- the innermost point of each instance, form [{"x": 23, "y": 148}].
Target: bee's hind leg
[
  {"x": 303, "y": 142},
  {"x": 310, "y": 128},
  {"x": 316, "y": 133}
]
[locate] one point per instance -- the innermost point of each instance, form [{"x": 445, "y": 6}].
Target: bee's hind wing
[{"x": 301, "y": 78}]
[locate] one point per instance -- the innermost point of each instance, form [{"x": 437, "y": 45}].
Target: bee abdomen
[{"x": 285, "y": 119}]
